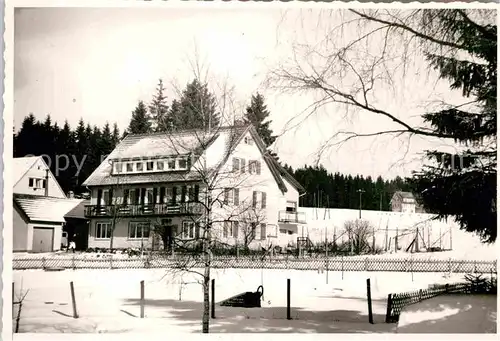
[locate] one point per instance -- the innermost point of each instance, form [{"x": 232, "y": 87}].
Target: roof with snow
[
  {"x": 46, "y": 209},
  {"x": 193, "y": 143},
  {"x": 404, "y": 195}
]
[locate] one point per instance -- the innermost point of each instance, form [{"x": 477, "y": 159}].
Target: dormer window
[
  {"x": 151, "y": 166},
  {"x": 183, "y": 163},
  {"x": 118, "y": 167},
  {"x": 171, "y": 164}
]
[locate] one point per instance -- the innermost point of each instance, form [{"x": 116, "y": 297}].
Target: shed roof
[{"x": 47, "y": 209}]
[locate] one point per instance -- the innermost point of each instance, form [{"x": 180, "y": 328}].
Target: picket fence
[
  {"x": 249, "y": 262},
  {"x": 396, "y": 302}
]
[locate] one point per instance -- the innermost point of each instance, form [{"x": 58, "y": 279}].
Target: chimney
[
  {"x": 71, "y": 195},
  {"x": 47, "y": 182}
]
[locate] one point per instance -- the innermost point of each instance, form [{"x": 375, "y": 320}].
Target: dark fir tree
[
  {"x": 464, "y": 184},
  {"x": 115, "y": 135},
  {"x": 158, "y": 109},
  {"x": 140, "y": 123},
  {"x": 257, "y": 114},
  {"x": 197, "y": 108}
]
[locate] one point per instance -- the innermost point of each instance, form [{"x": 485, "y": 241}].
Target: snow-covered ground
[
  {"x": 451, "y": 314},
  {"x": 108, "y": 301}
]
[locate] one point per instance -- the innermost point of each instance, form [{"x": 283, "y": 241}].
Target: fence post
[
  {"x": 213, "y": 299},
  {"x": 369, "y": 297},
  {"x": 389, "y": 308},
  {"x": 475, "y": 267},
  {"x": 342, "y": 265},
  {"x": 73, "y": 262},
  {"x": 420, "y": 295},
  {"x": 327, "y": 265},
  {"x": 73, "y": 300},
  {"x": 288, "y": 312},
  {"x": 142, "y": 299},
  {"x": 449, "y": 265},
  {"x": 111, "y": 262},
  {"x": 13, "y": 294},
  {"x": 43, "y": 263}
]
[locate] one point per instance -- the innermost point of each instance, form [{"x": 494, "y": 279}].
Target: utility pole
[{"x": 360, "y": 191}]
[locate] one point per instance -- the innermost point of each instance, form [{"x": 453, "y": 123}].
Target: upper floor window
[
  {"x": 232, "y": 196},
  {"x": 248, "y": 140},
  {"x": 238, "y": 165},
  {"x": 254, "y": 167},
  {"x": 36, "y": 183},
  {"x": 259, "y": 199}
]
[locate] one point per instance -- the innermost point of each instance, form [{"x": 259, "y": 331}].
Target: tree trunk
[{"x": 206, "y": 283}]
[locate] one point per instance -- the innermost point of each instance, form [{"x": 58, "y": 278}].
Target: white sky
[{"x": 97, "y": 63}]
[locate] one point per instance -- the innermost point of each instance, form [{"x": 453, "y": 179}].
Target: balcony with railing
[
  {"x": 187, "y": 208},
  {"x": 291, "y": 217}
]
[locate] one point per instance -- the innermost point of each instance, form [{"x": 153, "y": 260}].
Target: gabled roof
[
  {"x": 404, "y": 195},
  {"x": 22, "y": 165},
  {"x": 194, "y": 142},
  {"x": 46, "y": 209}
]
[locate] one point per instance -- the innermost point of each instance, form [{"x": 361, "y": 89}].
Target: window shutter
[
  {"x": 155, "y": 194},
  {"x": 264, "y": 199},
  {"x": 236, "y": 164},
  {"x": 236, "y": 227},
  {"x": 196, "y": 193},
  {"x": 243, "y": 165},
  {"x": 174, "y": 195},
  {"x": 263, "y": 231},
  {"x": 236, "y": 196},
  {"x": 225, "y": 229},
  {"x": 99, "y": 197},
  {"x": 31, "y": 183},
  {"x": 254, "y": 199},
  {"x": 257, "y": 164},
  {"x": 125, "y": 196},
  {"x": 226, "y": 196}
]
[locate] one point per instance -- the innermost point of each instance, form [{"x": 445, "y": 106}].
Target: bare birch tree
[{"x": 222, "y": 187}]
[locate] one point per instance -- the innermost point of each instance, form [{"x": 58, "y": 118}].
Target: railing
[
  {"x": 292, "y": 217},
  {"x": 188, "y": 208}
]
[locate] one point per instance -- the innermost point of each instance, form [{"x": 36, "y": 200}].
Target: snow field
[{"x": 108, "y": 301}]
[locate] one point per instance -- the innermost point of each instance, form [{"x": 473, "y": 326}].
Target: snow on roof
[
  {"x": 42, "y": 208},
  {"x": 144, "y": 146},
  {"x": 22, "y": 165}
]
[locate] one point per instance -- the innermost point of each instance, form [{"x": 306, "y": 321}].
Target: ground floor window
[
  {"x": 102, "y": 230},
  {"x": 138, "y": 230},
  {"x": 230, "y": 229},
  {"x": 190, "y": 230}
]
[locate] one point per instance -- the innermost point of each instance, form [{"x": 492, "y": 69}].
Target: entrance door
[{"x": 43, "y": 239}]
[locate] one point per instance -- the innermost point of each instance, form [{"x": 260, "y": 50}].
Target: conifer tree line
[{"x": 86, "y": 146}]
